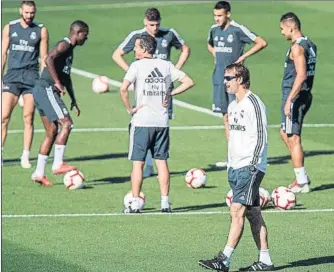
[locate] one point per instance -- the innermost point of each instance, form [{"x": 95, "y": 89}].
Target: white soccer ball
[
  {"x": 21, "y": 101},
  {"x": 265, "y": 197},
  {"x": 279, "y": 190},
  {"x": 100, "y": 84},
  {"x": 74, "y": 180},
  {"x": 195, "y": 178},
  {"x": 129, "y": 197},
  {"x": 229, "y": 198},
  {"x": 284, "y": 199}
]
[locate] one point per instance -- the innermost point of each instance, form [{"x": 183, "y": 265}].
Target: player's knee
[
  {"x": 294, "y": 140},
  {"x": 4, "y": 119},
  {"x": 237, "y": 211},
  {"x": 67, "y": 124},
  {"x": 28, "y": 119}
]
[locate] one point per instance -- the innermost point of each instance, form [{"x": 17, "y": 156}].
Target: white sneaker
[
  {"x": 221, "y": 164},
  {"x": 300, "y": 188},
  {"x": 148, "y": 171},
  {"x": 25, "y": 163}
]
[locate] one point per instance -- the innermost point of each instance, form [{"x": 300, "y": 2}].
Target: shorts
[
  {"x": 20, "y": 82},
  {"x": 48, "y": 102},
  {"x": 299, "y": 107},
  {"x": 221, "y": 99},
  {"x": 245, "y": 183},
  {"x": 142, "y": 139}
]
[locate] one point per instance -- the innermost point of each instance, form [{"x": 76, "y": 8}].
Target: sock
[
  {"x": 265, "y": 257},
  {"x": 58, "y": 156},
  {"x": 149, "y": 159},
  {"x": 41, "y": 162},
  {"x": 164, "y": 202},
  {"x": 228, "y": 253},
  {"x": 25, "y": 154},
  {"x": 301, "y": 176}
]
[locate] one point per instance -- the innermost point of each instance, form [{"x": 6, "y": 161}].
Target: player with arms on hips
[
  {"x": 150, "y": 122},
  {"x": 299, "y": 72},
  {"x": 166, "y": 39},
  {"x": 55, "y": 76},
  {"x": 247, "y": 162},
  {"x": 226, "y": 42},
  {"x": 23, "y": 41}
]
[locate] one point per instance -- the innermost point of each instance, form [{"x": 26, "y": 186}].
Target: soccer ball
[
  {"x": 229, "y": 198},
  {"x": 21, "y": 101},
  {"x": 284, "y": 199},
  {"x": 100, "y": 84},
  {"x": 195, "y": 178},
  {"x": 265, "y": 197},
  {"x": 74, "y": 180},
  {"x": 128, "y": 200},
  {"x": 279, "y": 190}
]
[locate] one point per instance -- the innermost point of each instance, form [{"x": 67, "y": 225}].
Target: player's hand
[
  {"x": 135, "y": 109},
  {"x": 60, "y": 88},
  {"x": 165, "y": 103},
  {"x": 77, "y": 110},
  {"x": 287, "y": 108},
  {"x": 240, "y": 60}
]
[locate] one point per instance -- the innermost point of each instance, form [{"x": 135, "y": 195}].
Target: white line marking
[
  {"x": 182, "y": 104},
  {"x": 107, "y": 6},
  {"x": 151, "y": 213},
  {"x": 20, "y": 131}
]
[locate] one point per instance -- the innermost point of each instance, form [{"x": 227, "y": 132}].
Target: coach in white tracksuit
[
  {"x": 150, "y": 123},
  {"x": 247, "y": 160}
]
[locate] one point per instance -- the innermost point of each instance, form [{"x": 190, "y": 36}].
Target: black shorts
[
  {"x": 221, "y": 99},
  {"x": 245, "y": 183},
  {"x": 299, "y": 107},
  {"x": 20, "y": 81},
  {"x": 48, "y": 102},
  {"x": 142, "y": 139}
]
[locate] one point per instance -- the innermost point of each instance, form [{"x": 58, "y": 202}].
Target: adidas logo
[
  {"x": 14, "y": 34},
  {"x": 155, "y": 77}
]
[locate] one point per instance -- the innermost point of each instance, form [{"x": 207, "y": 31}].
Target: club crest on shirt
[
  {"x": 230, "y": 38},
  {"x": 164, "y": 43},
  {"x": 33, "y": 35}
]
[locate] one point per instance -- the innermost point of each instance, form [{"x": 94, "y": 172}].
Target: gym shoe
[
  {"x": 166, "y": 210},
  {"x": 63, "y": 169},
  {"x": 129, "y": 210},
  {"x": 217, "y": 263},
  {"x": 25, "y": 162},
  {"x": 258, "y": 266},
  {"x": 44, "y": 181},
  {"x": 300, "y": 188},
  {"x": 221, "y": 164},
  {"x": 148, "y": 171}
]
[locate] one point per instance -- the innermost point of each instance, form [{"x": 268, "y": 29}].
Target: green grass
[{"x": 174, "y": 243}]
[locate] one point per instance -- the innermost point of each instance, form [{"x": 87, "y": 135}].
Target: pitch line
[
  {"x": 106, "y": 6},
  {"x": 152, "y": 213},
  {"x": 181, "y": 128}
]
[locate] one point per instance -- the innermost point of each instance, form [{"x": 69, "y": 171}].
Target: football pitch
[{"x": 53, "y": 229}]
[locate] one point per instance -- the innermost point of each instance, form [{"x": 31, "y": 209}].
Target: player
[
  {"x": 23, "y": 41},
  {"x": 299, "y": 72},
  {"x": 55, "y": 76},
  {"x": 150, "y": 123},
  {"x": 166, "y": 39},
  {"x": 247, "y": 162},
  {"x": 226, "y": 42}
]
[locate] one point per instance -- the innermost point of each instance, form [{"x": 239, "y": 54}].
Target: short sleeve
[
  {"x": 177, "y": 41},
  {"x": 131, "y": 73}
]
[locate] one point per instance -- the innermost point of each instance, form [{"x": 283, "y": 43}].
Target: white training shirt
[
  {"x": 247, "y": 143},
  {"x": 152, "y": 79}
]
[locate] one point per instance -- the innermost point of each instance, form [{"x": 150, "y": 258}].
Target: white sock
[
  {"x": 149, "y": 159},
  {"x": 25, "y": 154},
  {"x": 265, "y": 257},
  {"x": 164, "y": 202},
  {"x": 41, "y": 162},
  {"x": 228, "y": 253},
  {"x": 301, "y": 176},
  {"x": 58, "y": 156}
]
